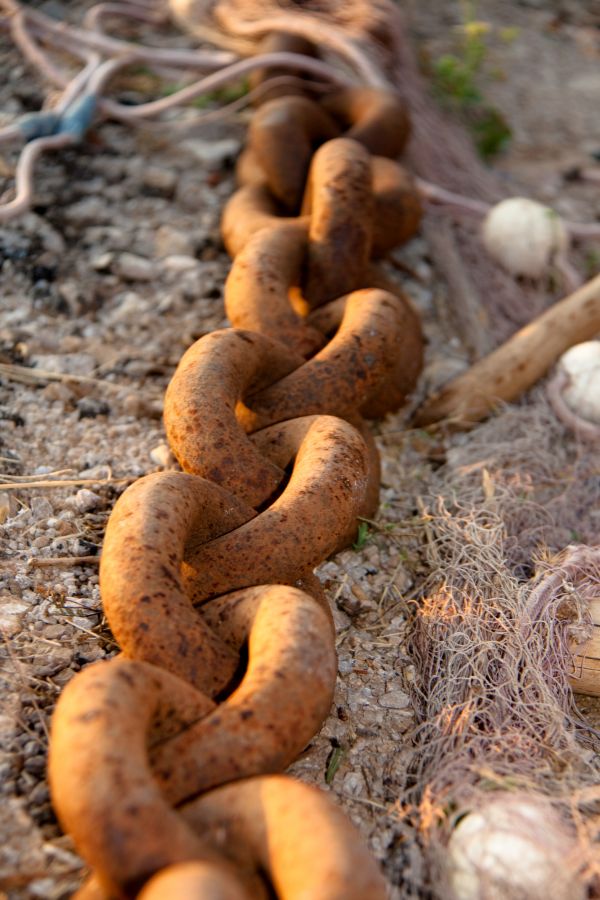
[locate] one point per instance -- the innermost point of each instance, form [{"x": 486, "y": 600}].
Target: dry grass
[{"x": 494, "y": 628}]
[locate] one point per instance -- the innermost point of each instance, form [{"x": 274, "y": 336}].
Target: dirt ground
[{"x": 114, "y": 274}]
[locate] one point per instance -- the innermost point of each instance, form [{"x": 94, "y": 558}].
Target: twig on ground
[
  {"x": 25, "y": 375},
  {"x": 70, "y": 482},
  {"x": 67, "y": 561},
  {"x": 519, "y": 363}
]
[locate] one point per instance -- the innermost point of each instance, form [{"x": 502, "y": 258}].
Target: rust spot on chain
[
  {"x": 102, "y": 787},
  {"x": 282, "y": 699},
  {"x": 398, "y": 207},
  {"x": 151, "y": 715},
  {"x": 270, "y": 832},
  {"x": 140, "y": 574},
  {"x": 279, "y": 42},
  {"x": 291, "y": 853},
  {"x": 396, "y": 217},
  {"x": 257, "y": 289}
]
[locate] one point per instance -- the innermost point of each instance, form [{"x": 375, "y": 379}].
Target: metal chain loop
[
  {"x": 257, "y": 291},
  {"x": 354, "y": 370},
  {"x": 212, "y": 378},
  {"x": 161, "y": 757},
  {"x": 340, "y": 198},
  {"x": 278, "y": 126}
]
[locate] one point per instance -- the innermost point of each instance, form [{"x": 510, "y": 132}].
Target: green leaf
[
  {"x": 333, "y": 763},
  {"x": 362, "y": 535}
]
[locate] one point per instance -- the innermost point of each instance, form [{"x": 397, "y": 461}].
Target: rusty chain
[{"x": 162, "y": 758}]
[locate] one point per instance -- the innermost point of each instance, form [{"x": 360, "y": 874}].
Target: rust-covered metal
[
  {"x": 397, "y": 206},
  {"x": 376, "y": 118},
  {"x": 294, "y": 833},
  {"x": 283, "y": 135},
  {"x": 257, "y": 291},
  {"x": 314, "y": 516},
  {"x": 277, "y": 82},
  {"x": 200, "y": 409},
  {"x": 359, "y": 367},
  {"x": 339, "y": 196},
  {"x": 163, "y": 759}
]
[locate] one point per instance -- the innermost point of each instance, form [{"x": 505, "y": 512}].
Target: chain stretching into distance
[{"x": 162, "y": 759}]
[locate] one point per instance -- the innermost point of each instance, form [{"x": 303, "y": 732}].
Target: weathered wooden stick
[{"x": 519, "y": 363}]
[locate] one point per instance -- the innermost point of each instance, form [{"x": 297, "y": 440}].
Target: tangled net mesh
[{"x": 493, "y": 647}]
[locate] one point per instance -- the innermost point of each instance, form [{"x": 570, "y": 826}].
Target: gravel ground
[{"x": 119, "y": 268}]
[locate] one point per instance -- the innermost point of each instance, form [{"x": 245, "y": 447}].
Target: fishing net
[{"x": 495, "y": 628}]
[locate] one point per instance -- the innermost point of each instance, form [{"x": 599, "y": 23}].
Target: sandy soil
[{"x": 115, "y": 272}]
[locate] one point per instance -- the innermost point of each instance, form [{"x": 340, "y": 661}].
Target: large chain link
[{"x": 160, "y": 758}]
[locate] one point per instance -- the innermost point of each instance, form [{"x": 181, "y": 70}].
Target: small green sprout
[
  {"x": 362, "y": 536},
  {"x": 333, "y": 763}
]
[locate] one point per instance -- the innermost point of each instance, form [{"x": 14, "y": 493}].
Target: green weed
[
  {"x": 362, "y": 536},
  {"x": 333, "y": 763},
  {"x": 457, "y": 78}
]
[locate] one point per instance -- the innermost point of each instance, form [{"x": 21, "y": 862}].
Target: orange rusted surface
[
  {"x": 398, "y": 206},
  {"x": 283, "y": 697},
  {"x": 149, "y": 532},
  {"x": 377, "y": 119},
  {"x": 294, "y": 833},
  {"x": 314, "y": 516},
  {"x": 102, "y": 786},
  {"x": 129, "y": 738},
  {"x": 258, "y": 286},
  {"x": 200, "y": 405},
  {"x": 352, "y": 372},
  {"x": 283, "y": 134},
  {"x": 282, "y": 85},
  {"x": 339, "y": 198},
  {"x": 161, "y": 758}
]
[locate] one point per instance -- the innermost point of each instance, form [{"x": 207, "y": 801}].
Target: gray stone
[{"x": 135, "y": 268}]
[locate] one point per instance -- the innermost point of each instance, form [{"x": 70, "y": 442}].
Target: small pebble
[
  {"x": 135, "y": 268},
  {"x": 214, "y": 154},
  {"x": 103, "y": 262},
  {"x": 162, "y": 456},
  {"x": 131, "y": 306},
  {"x": 90, "y": 407},
  {"x": 41, "y": 507},
  {"x": 86, "y": 500},
  {"x": 159, "y": 179},
  {"x": 35, "y": 764},
  {"x": 66, "y": 363},
  {"x": 169, "y": 241},
  {"x": 57, "y": 391},
  {"x": 179, "y": 263},
  {"x": 394, "y": 700},
  {"x": 4, "y": 507},
  {"x": 89, "y": 211}
]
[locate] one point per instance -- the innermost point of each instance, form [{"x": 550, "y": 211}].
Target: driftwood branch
[{"x": 517, "y": 364}]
